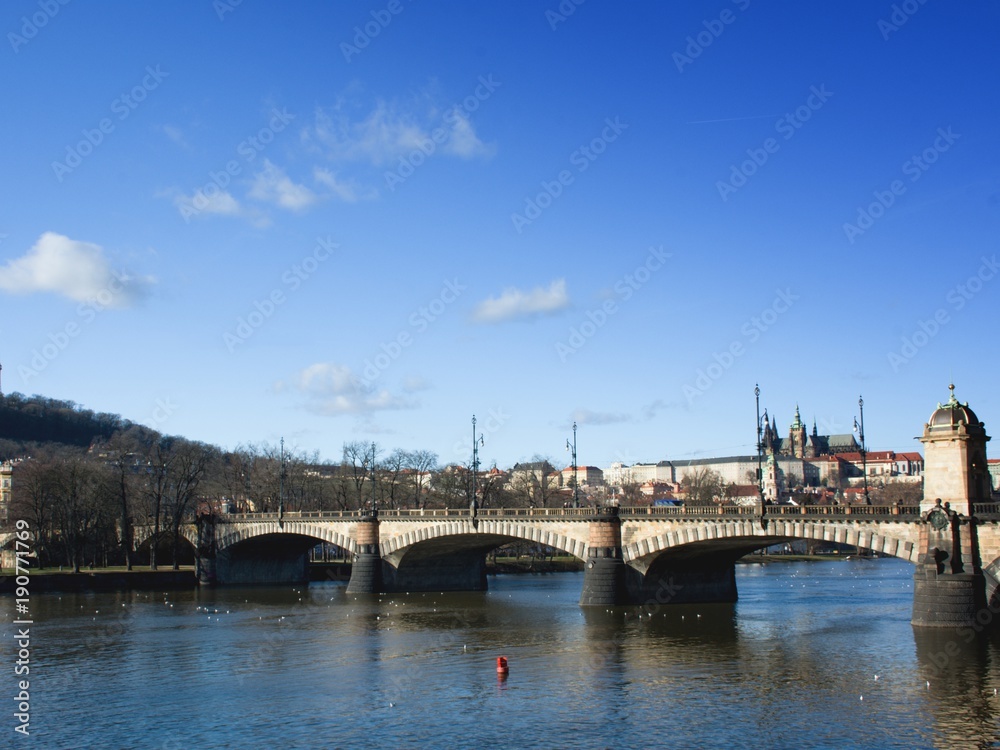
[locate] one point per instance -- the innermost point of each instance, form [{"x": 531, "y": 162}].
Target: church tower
[{"x": 797, "y": 436}]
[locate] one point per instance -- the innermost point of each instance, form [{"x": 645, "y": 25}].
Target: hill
[{"x": 33, "y": 420}]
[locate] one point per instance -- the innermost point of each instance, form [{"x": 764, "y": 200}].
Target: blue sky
[{"x": 370, "y": 221}]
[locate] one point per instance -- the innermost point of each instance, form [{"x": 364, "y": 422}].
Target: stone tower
[
  {"x": 949, "y": 588},
  {"x": 955, "y": 469}
]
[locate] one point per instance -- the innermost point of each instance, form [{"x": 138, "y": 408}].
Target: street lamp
[
  {"x": 860, "y": 429},
  {"x": 576, "y": 480},
  {"x": 281, "y": 484},
  {"x": 374, "y": 496},
  {"x": 760, "y": 447},
  {"x": 476, "y": 442}
]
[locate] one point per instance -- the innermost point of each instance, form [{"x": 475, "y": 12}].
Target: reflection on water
[{"x": 813, "y": 655}]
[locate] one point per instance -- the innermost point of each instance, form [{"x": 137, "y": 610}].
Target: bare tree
[
  {"x": 702, "y": 486},
  {"x": 123, "y": 450},
  {"x": 493, "y": 491},
  {"x": 156, "y": 484},
  {"x": 421, "y": 463},
  {"x": 188, "y": 465},
  {"x": 899, "y": 493},
  {"x": 33, "y": 499},
  {"x": 631, "y": 492},
  {"x": 451, "y": 486},
  {"x": 82, "y": 503},
  {"x": 391, "y": 476},
  {"x": 359, "y": 459}
]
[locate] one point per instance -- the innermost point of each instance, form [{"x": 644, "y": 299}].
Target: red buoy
[{"x": 502, "y": 665}]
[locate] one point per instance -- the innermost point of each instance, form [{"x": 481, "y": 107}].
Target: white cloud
[
  {"x": 345, "y": 191},
  {"x": 334, "y": 390},
  {"x": 463, "y": 140},
  {"x": 219, "y": 202},
  {"x": 514, "y": 303},
  {"x": 74, "y": 269},
  {"x": 202, "y": 204},
  {"x": 272, "y": 185},
  {"x": 392, "y": 130}
]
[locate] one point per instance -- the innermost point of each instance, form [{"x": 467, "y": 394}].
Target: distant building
[
  {"x": 618, "y": 474},
  {"x": 803, "y": 459},
  {"x": 7, "y": 487},
  {"x": 655, "y": 490},
  {"x": 994, "y": 468},
  {"x": 586, "y": 476},
  {"x": 535, "y": 471}
]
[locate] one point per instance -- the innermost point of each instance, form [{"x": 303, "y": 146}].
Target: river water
[{"x": 793, "y": 664}]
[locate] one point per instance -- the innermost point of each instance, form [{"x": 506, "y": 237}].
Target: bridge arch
[
  {"x": 484, "y": 534},
  {"x": 143, "y": 534},
  {"x": 890, "y": 538},
  {"x": 228, "y": 536}
]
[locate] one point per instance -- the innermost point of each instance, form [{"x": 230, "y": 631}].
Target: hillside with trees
[{"x": 86, "y": 481}]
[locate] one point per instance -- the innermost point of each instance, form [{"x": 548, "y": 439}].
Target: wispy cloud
[
  {"x": 333, "y": 389},
  {"x": 346, "y": 191},
  {"x": 220, "y": 202},
  {"x": 272, "y": 185},
  {"x": 77, "y": 270},
  {"x": 586, "y": 416},
  {"x": 203, "y": 204},
  {"x": 515, "y": 303},
  {"x": 176, "y": 136},
  {"x": 652, "y": 410},
  {"x": 394, "y": 129}
]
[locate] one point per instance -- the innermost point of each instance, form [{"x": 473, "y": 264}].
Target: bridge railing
[
  {"x": 811, "y": 511},
  {"x": 417, "y": 513},
  {"x": 307, "y": 514},
  {"x": 655, "y": 511}
]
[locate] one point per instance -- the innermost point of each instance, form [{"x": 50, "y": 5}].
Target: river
[{"x": 813, "y": 655}]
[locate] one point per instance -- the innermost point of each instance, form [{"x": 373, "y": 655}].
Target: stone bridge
[{"x": 644, "y": 554}]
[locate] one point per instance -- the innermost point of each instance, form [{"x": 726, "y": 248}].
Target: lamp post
[
  {"x": 576, "y": 480},
  {"x": 760, "y": 448},
  {"x": 281, "y": 484},
  {"x": 374, "y": 496},
  {"x": 860, "y": 429},
  {"x": 476, "y": 442}
]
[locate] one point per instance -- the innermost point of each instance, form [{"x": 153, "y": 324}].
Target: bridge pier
[
  {"x": 205, "y": 552},
  {"x": 366, "y": 572},
  {"x": 949, "y": 588},
  {"x": 604, "y": 571}
]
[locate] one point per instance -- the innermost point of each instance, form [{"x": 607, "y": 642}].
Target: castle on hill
[{"x": 798, "y": 444}]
